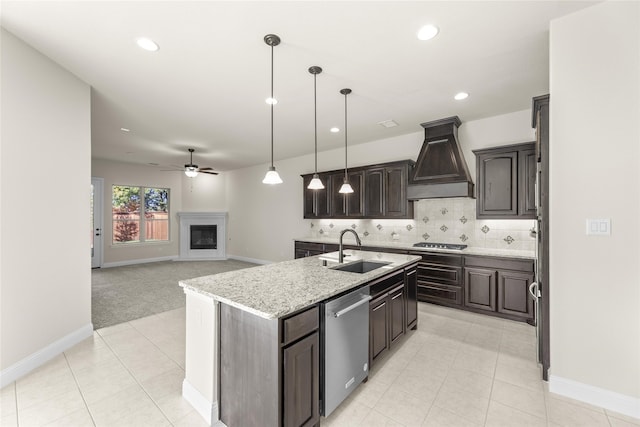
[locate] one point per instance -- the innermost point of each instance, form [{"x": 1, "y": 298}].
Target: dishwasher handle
[{"x": 365, "y": 299}]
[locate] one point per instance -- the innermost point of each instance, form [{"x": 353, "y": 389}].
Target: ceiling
[{"x": 206, "y": 86}]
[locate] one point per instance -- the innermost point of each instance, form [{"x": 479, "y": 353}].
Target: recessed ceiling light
[
  {"x": 460, "y": 96},
  {"x": 334, "y": 130},
  {"x": 271, "y": 101},
  {"x": 125, "y": 130},
  {"x": 388, "y": 123},
  {"x": 147, "y": 44},
  {"x": 428, "y": 32}
]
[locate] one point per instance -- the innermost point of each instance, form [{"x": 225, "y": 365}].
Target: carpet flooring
[{"x": 121, "y": 294}]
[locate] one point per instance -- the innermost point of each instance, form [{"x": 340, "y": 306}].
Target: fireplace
[{"x": 202, "y": 235}]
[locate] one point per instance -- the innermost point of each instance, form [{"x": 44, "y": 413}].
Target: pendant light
[
  {"x": 315, "y": 183},
  {"x": 272, "y": 176},
  {"x": 346, "y": 187}
]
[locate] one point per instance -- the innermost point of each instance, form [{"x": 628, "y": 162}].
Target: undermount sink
[{"x": 361, "y": 266}]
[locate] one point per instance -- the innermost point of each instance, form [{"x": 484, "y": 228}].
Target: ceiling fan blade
[
  {"x": 205, "y": 169},
  {"x": 208, "y": 172}
]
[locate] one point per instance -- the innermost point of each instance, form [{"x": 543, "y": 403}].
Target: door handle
[
  {"x": 344, "y": 311},
  {"x": 534, "y": 293}
]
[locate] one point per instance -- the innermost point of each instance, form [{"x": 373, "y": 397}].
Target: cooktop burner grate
[{"x": 439, "y": 245}]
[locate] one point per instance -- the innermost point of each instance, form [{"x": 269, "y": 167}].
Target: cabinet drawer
[
  {"x": 444, "y": 274},
  {"x": 435, "y": 292},
  {"x": 500, "y": 263},
  {"x": 300, "y": 325},
  {"x": 434, "y": 258}
]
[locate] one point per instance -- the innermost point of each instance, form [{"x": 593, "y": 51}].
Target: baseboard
[
  {"x": 207, "y": 410},
  {"x": 252, "y": 260},
  {"x": 42, "y": 356},
  {"x": 607, "y": 399},
  {"x": 139, "y": 261}
]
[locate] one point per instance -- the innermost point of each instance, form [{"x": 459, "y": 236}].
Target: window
[{"x": 140, "y": 214}]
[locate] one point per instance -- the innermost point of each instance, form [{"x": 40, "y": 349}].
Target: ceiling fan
[{"x": 192, "y": 170}]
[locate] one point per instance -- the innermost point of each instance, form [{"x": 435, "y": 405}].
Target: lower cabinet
[
  {"x": 301, "y": 382},
  {"x": 499, "y": 286},
  {"x": 392, "y": 311},
  {"x": 480, "y": 288}
]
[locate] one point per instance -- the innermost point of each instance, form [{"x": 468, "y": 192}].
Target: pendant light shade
[
  {"x": 272, "y": 176},
  {"x": 346, "y": 187},
  {"x": 316, "y": 183}
]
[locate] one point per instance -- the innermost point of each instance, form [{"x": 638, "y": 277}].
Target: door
[
  {"x": 374, "y": 193},
  {"x": 95, "y": 210},
  {"x": 480, "y": 288},
  {"x": 397, "y": 301},
  {"x": 513, "y": 294},
  {"x": 301, "y": 394},
  {"x": 378, "y": 332}
]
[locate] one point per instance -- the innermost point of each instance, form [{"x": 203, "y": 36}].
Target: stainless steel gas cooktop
[{"x": 439, "y": 245}]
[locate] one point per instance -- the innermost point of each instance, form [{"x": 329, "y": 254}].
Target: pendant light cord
[
  {"x": 345, "y": 136},
  {"x": 272, "y": 102},
  {"x": 315, "y": 120}
]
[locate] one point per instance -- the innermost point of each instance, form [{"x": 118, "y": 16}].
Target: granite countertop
[
  {"x": 276, "y": 290},
  {"x": 506, "y": 253}
]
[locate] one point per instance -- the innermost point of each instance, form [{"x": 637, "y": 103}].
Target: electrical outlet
[{"x": 599, "y": 227}]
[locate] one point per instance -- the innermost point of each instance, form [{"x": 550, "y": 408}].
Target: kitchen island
[{"x": 241, "y": 324}]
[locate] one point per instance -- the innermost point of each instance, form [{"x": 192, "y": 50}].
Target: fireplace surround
[{"x": 202, "y": 235}]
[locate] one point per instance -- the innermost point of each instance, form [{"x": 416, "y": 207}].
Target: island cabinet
[
  {"x": 392, "y": 311},
  {"x": 499, "y": 286},
  {"x": 271, "y": 366},
  {"x": 506, "y": 179},
  {"x": 379, "y": 191}
]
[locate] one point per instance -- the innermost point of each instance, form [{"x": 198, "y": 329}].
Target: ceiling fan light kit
[
  {"x": 272, "y": 176},
  {"x": 191, "y": 170}
]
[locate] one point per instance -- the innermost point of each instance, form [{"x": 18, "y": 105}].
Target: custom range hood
[{"x": 440, "y": 170}]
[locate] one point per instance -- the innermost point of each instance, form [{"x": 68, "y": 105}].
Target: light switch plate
[{"x": 599, "y": 227}]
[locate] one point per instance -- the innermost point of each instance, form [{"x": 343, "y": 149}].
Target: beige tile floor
[{"x": 458, "y": 369}]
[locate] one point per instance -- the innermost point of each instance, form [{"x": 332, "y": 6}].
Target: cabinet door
[
  {"x": 411, "y": 292},
  {"x": 397, "y": 303},
  {"x": 378, "y": 331},
  {"x": 316, "y": 202},
  {"x": 527, "y": 183},
  {"x": 497, "y": 185},
  {"x": 374, "y": 193},
  {"x": 480, "y": 288},
  {"x": 513, "y": 294},
  {"x": 395, "y": 200},
  {"x": 355, "y": 200},
  {"x": 301, "y": 383},
  {"x": 337, "y": 200}
]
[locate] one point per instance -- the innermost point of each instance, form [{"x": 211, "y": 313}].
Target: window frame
[{"x": 142, "y": 220}]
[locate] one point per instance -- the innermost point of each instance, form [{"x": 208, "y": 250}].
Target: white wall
[
  {"x": 264, "y": 220},
  {"x": 204, "y": 193},
  {"x": 595, "y": 149},
  {"x": 45, "y": 184}
]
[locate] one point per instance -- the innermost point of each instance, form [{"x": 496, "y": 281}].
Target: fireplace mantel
[{"x": 187, "y": 219}]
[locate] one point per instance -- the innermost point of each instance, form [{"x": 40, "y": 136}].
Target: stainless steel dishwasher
[{"x": 345, "y": 345}]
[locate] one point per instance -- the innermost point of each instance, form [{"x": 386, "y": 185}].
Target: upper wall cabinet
[
  {"x": 379, "y": 191},
  {"x": 506, "y": 182}
]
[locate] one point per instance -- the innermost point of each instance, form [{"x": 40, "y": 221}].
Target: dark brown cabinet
[
  {"x": 506, "y": 179},
  {"x": 499, "y": 286},
  {"x": 316, "y": 202},
  {"x": 305, "y": 249},
  {"x": 389, "y": 310},
  {"x": 378, "y": 321},
  {"x": 301, "y": 382},
  {"x": 480, "y": 288},
  {"x": 411, "y": 291},
  {"x": 379, "y": 191},
  {"x": 439, "y": 278}
]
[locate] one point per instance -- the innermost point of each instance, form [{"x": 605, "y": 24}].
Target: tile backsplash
[{"x": 436, "y": 220}]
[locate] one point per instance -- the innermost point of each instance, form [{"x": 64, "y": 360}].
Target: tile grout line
[
  {"x": 79, "y": 389},
  {"x": 15, "y": 401},
  {"x": 133, "y": 376}
]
